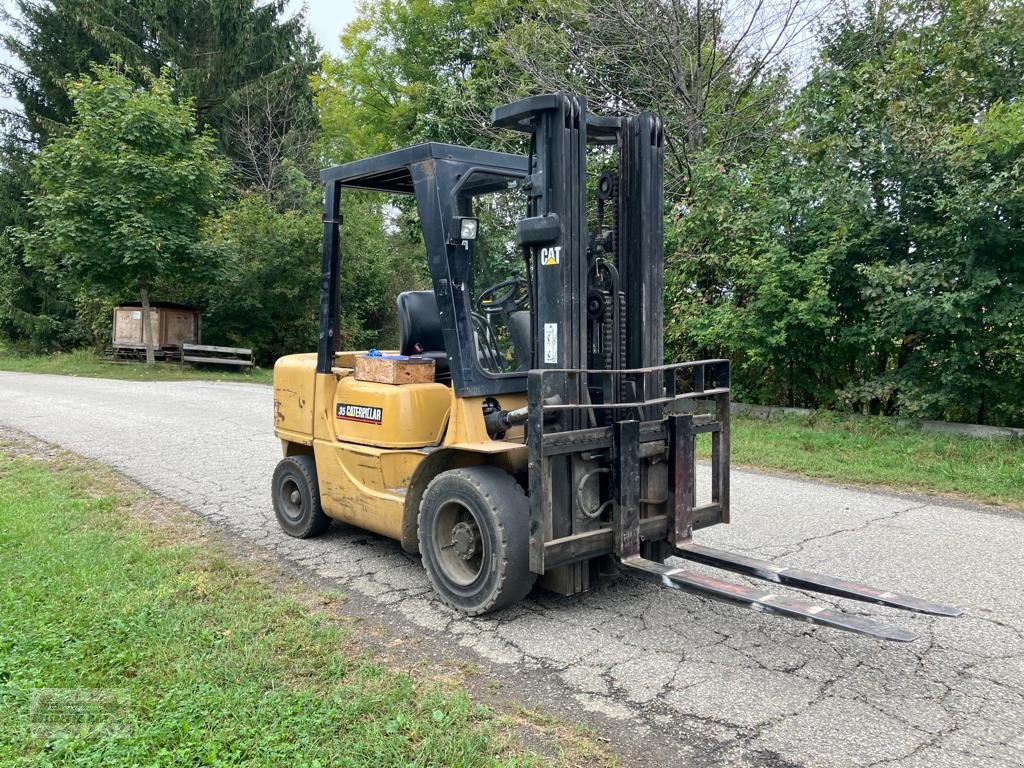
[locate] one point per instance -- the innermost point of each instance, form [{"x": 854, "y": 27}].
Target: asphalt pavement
[{"x": 683, "y": 680}]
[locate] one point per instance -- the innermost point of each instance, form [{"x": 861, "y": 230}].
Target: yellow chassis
[{"x": 372, "y": 471}]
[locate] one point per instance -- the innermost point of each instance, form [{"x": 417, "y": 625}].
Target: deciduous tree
[{"x": 122, "y": 194}]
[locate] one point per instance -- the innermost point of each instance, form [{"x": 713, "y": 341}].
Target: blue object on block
[{"x": 382, "y": 356}]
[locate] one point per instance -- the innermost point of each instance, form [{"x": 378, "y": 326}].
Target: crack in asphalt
[
  {"x": 796, "y": 548},
  {"x": 709, "y": 683}
]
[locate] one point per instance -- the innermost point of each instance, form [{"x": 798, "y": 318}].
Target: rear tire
[
  {"x": 296, "y": 497},
  {"x": 474, "y": 539}
]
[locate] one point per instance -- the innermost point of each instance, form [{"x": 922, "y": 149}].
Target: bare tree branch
[
  {"x": 714, "y": 69},
  {"x": 272, "y": 124}
]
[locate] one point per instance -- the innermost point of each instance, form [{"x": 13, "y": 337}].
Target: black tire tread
[
  {"x": 316, "y": 522},
  {"x": 506, "y": 497}
]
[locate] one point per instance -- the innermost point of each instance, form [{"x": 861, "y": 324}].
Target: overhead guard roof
[{"x": 389, "y": 172}]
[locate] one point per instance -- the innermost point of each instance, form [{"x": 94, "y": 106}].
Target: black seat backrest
[
  {"x": 419, "y": 323},
  {"x": 519, "y": 330}
]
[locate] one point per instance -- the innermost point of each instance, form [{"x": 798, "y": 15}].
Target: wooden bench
[
  {"x": 127, "y": 352},
  {"x": 210, "y": 355}
]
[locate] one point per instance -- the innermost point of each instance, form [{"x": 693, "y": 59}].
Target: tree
[
  {"x": 121, "y": 196},
  {"x": 867, "y": 255},
  {"x": 212, "y": 48},
  {"x": 716, "y": 72},
  {"x": 913, "y": 125},
  {"x": 267, "y": 295},
  {"x": 418, "y": 70},
  {"x": 746, "y": 281},
  {"x": 222, "y": 53},
  {"x": 53, "y": 39},
  {"x": 35, "y": 313},
  {"x": 272, "y": 128},
  {"x": 218, "y": 47}
]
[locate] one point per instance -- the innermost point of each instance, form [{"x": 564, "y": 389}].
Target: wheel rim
[
  {"x": 459, "y": 544},
  {"x": 290, "y": 497}
]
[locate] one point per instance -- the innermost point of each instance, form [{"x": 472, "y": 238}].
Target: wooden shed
[{"x": 173, "y": 325}]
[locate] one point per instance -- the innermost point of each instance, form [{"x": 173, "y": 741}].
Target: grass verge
[
  {"x": 215, "y": 665},
  {"x": 83, "y": 362},
  {"x": 874, "y": 451}
]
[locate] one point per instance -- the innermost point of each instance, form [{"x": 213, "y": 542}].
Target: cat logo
[{"x": 549, "y": 257}]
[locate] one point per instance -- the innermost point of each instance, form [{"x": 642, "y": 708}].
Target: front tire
[
  {"x": 474, "y": 539},
  {"x": 296, "y": 495}
]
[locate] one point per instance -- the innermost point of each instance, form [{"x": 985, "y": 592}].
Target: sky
[{"x": 327, "y": 18}]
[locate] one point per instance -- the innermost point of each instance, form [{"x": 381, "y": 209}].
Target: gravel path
[{"x": 717, "y": 684}]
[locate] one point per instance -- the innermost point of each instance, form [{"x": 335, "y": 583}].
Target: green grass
[
  {"x": 217, "y": 667},
  {"x": 83, "y": 362},
  {"x": 874, "y": 451}
]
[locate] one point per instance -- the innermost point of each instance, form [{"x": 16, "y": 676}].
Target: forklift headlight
[{"x": 466, "y": 226}]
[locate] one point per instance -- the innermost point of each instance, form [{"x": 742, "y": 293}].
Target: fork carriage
[{"x": 635, "y": 460}]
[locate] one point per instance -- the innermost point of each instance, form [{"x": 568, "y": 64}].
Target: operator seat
[
  {"x": 519, "y": 330},
  {"x": 419, "y": 329}
]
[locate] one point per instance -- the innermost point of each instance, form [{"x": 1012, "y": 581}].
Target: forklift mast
[{"x": 598, "y": 388}]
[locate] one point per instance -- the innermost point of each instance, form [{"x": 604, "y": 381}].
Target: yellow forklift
[{"x": 554, "y": 444}]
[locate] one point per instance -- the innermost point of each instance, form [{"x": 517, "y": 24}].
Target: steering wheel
[{"x": 505, "y": 297}]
